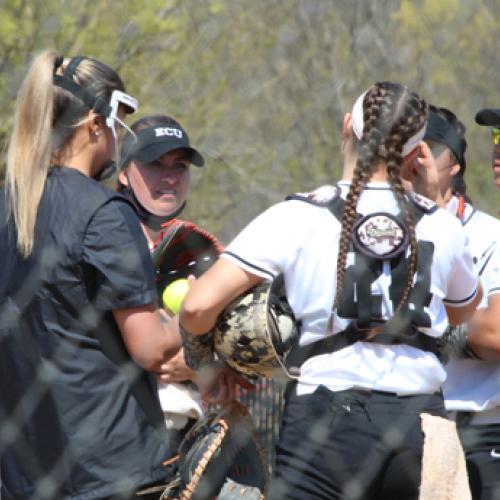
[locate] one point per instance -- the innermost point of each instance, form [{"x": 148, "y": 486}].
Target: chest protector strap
[
  {"x": 398, "y": 331},
  {"x": 353, "y": 334}
]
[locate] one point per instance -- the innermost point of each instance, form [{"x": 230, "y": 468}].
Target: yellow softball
[{"x": 174, "y": 294}]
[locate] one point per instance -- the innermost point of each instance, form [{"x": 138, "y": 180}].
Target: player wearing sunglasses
[{"x": 491, "y": 118}]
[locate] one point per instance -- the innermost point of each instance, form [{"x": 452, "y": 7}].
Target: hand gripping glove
[{"x": 221, "y": 450}]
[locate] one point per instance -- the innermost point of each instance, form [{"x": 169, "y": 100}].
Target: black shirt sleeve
[{"x": 116, "y": 251}]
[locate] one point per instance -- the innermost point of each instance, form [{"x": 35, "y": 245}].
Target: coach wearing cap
[
  {"x": 155, "y": 171},
  {"x": 491, "y": 118},
  {"x": 154, "y": 176}
]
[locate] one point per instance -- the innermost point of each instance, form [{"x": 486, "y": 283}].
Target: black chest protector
[{"x": 378, "y": 247}]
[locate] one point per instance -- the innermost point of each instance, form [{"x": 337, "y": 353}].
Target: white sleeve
[
  {"x": 269, "y": 243},
  {"x": 463, "y": 283},
  {"x": 491, "y": 274}
]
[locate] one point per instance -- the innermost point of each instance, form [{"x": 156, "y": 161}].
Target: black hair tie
[{"x": 58, "y": 62}]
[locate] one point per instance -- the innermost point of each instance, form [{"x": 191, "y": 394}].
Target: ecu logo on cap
[{"x": 168, "y": 131}]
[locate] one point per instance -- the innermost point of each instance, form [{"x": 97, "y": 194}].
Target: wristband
[
  {"x": 198, "y": 349},
  {"x": 455, "y": 344}
]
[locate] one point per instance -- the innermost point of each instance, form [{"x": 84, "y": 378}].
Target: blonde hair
[{"x": 44, "y": 121}]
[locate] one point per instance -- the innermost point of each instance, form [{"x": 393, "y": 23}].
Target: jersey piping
[{"x": 253, "y": 266}]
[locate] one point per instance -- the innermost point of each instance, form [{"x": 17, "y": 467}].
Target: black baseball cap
[
  {"x": 440, "y": 129},
  {"x": 153, "y": 142},
  {"x": 489, "y": 117}
]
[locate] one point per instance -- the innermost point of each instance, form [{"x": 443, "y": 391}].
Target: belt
[{"x": 368, "y": 392}]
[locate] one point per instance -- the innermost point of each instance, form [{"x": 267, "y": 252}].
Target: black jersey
[{"x": 68, "y": 383}]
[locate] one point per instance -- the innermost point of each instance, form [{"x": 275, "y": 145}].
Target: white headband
[
  {"x": 358, "y": 116},
  {"x": 358, "y": 124}
]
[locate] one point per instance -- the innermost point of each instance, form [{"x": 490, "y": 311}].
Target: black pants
[
  {"x": 351, "y": 445},
  {"x": 481, "y": 444}
]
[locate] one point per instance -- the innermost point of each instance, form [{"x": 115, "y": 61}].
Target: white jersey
[
  {"x": 301, "y": 241},
  {"x": 474, "y": 385}
]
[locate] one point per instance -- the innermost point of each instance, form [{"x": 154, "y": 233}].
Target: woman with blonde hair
[
  {"x": 80, "y": 330},
  {"x": 373, "y": 274}
]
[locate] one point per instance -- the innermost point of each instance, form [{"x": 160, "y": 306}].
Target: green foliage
[{"x": 262, "y": 85}]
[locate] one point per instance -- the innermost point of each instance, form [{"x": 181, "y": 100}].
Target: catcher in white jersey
[
  {"x": 472, "y": 388},
  {"x": 365, "y": 263}
]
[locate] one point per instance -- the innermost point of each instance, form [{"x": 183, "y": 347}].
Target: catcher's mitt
[
  {"x": 222, "y": 447},
  {"x": 256, "y": 332},
  {"x": 185, "y": 249}
]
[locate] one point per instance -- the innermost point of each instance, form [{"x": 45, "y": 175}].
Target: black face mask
[
  {"x": 152, "y": 221},
  {"x": 106, "y": 172}
]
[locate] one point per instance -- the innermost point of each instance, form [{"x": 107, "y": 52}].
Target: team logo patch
[{"x": 380, "y": 235}]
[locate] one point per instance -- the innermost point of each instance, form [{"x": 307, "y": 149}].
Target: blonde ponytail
[
  {"x": 30, "y": 148},
  {"x": 45, "y": 119}
]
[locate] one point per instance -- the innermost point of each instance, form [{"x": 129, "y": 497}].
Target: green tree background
[{"x": 262, "y": 85}]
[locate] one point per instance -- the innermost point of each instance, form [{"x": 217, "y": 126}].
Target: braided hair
[{"x": 392, "y": 114}]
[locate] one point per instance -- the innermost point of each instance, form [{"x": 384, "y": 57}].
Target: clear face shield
[
  {"x": 132, "y": 104},
  {"x": 107, "y": 109}
]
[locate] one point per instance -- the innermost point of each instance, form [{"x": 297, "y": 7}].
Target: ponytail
[
  {"x": 45, "y": 118},
  {"x": 30, "y": 148}
]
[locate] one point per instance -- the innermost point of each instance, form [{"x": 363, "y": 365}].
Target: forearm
[
  {"x": 197, "y": 322},
  {"x": 211, "y": 293},
  {"x": 205, "y": 301},
  {"x": 150, "y": 336},
  {"x": 484, "y": 335},
  {"x": 169, "y": 338},
  {"x": 159, "y": 346},
  {"x": 477, "y": 339}
]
